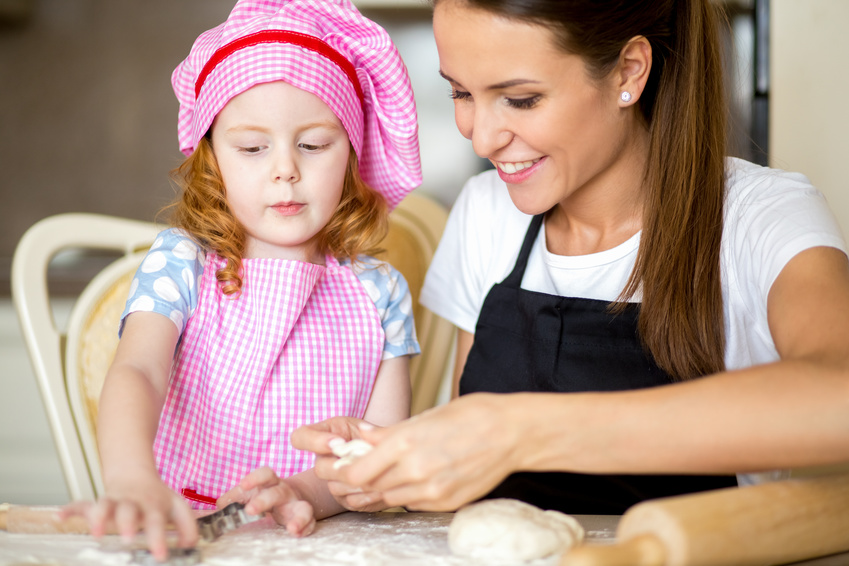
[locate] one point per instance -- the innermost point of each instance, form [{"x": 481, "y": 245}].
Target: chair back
[{"x": 69, "y": 365}]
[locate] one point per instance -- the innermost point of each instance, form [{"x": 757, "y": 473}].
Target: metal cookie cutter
[
  {"x": 210, "y": 528},
  {"x": 176, "y": 557},
  {"x": 224, "y": 520}
]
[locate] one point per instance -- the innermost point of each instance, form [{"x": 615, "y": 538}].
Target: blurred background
[{"x": 88, "y": 124}]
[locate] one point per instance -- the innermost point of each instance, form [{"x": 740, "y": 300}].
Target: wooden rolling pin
[
  {"x": 44, "y": 519},
  {"x": 39, "y": 520},
  {"x": 772, "y": 523}
]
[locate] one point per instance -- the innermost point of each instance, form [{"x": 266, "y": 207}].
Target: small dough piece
[
  {"x": 350, "y": 451},
  {"x": 509, "y": 530}
]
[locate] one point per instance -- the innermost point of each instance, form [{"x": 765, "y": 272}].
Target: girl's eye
[
  {"x": 252, "y": 149},
  {"x": 523, "y": 103},
  {"x": 459, "y": 94},
  {"x": 311, "y": 147}
]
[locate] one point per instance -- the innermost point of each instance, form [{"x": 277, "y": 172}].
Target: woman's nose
[{"x": 487, "y": 131}]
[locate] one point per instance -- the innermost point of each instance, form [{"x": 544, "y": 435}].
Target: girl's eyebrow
[
  {"x": 328, "y": 124},
  {"x": 497, "y": 86}
]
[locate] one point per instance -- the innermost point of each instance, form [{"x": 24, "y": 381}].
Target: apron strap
[{"x": 514, "y": 280}]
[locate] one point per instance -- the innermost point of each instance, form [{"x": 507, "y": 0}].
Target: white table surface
[
  {"x": 353, "y": 539},
  {"x": 371, "y": 539}
]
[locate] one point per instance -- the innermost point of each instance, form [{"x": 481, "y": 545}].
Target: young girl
[{"x": 258, "y": 312}]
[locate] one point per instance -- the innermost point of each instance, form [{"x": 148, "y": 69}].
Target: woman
[{"x": 656, "y": 317}]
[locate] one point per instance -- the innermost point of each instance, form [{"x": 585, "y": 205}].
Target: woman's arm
[{"x": 790, "y": 413}]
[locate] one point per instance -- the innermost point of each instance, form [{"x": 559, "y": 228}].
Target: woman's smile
[{"x": 519, "y": 171}]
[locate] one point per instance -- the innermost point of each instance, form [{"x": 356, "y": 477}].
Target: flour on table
[
  {"x": 508, "y": 530},
  {"x": 349, "y": 451}
]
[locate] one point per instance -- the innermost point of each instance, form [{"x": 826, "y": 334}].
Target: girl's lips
[
  {"x": 288, "y": 208},
  {"x": 519, "y": 176}
]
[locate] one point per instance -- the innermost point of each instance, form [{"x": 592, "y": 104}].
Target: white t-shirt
[{"x": 770, "y": 216}]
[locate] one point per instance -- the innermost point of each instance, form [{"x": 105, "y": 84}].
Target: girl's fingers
[
  {"x": 297, "y": 516},
  {"x": 154, "y": 526},
  {"x": 98, "y": 514},
  {"x": 126, "y": 520},
  {"x": 186, "y": 523}
]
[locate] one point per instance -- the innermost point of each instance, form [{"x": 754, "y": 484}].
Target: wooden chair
[{"x": 70, "y": 365}]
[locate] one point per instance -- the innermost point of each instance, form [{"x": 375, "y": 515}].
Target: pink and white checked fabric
[
  {"x": 383, "y": 128},
  {"x": 302, "y": 343}
]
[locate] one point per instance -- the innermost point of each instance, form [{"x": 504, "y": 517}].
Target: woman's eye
[
  {"x": 523, "y": 103},
  {"x": 459, "y": 94}
]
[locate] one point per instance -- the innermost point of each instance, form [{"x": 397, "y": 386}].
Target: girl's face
[
  {"x": 552, "y": 132},
  {"x": 282, "y": 154}
]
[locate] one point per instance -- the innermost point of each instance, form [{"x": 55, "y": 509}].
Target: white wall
[{"x": 809, "y": 95}]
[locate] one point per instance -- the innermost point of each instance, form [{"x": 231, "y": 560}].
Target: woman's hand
[
  {"x": 263, "y": 491},
  {"x": 436, "y": 461},
  {"x": 320, "y": 438},
  {"x": 139, "y": 500}
]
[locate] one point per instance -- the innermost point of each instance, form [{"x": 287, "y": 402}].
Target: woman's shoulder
[{"x": 750, "y": 185}]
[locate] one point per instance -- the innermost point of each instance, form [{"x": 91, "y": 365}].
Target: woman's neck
[{"x": 607, "y": 211}]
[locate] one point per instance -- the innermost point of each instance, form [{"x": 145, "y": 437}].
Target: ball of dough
[
  {"x": 349, "y": 451},
  {"x": 508, "y": 530}
]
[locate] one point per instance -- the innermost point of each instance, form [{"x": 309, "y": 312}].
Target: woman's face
[{"x": 552, "y": 132}]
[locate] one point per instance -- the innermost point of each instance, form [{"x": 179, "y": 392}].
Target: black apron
[{"x": 530, "y": 341}]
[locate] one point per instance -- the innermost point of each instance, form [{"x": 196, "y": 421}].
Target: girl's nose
[{"x": 285, "y": 168}]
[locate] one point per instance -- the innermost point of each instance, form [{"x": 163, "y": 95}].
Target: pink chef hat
[{"x": 325, "y": 47}]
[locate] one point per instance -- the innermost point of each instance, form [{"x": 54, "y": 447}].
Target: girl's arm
[
  {"x": 129, "y": 409},
  {"x": 791, "y": 413}
]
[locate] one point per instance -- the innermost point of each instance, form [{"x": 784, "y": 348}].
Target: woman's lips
[
  {"x": 517, "y": 172},
  {"x": 288, "y": 208}
]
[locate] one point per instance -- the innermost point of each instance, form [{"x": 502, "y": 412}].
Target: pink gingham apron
[{"x": 301, "y": 343}]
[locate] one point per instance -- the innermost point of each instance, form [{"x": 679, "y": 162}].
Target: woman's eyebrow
[{"x": 497, "y": 86}]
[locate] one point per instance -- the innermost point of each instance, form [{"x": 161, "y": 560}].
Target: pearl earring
[{"x": 625, "y": 96}]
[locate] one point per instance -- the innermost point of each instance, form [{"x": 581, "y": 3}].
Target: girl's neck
[{"x": 307, "y": 253}]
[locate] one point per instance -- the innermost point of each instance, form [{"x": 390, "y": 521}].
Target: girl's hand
[
  {"x": 262, "y": 491},
  {"x": 319, "y": 438},
  {"x": 442, "y": 458},
  {"x": 139, "y": 500}
]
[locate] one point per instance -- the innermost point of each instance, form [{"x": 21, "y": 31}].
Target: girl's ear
[{"x": 632, "y": 71}]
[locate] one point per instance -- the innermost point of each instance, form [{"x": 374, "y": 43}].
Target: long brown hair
[
  {"x": 677, "y": 268},
  {"x": 359, "y": 223}
]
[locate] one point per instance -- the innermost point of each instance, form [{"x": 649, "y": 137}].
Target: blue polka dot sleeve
[
  {"x": 166, "y": 282},
  {"x": 391, "y": 295}
]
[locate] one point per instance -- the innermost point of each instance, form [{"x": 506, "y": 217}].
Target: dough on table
[
  {"x": 509, "y": 530},
  {"x": 349, "y": 451}
]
